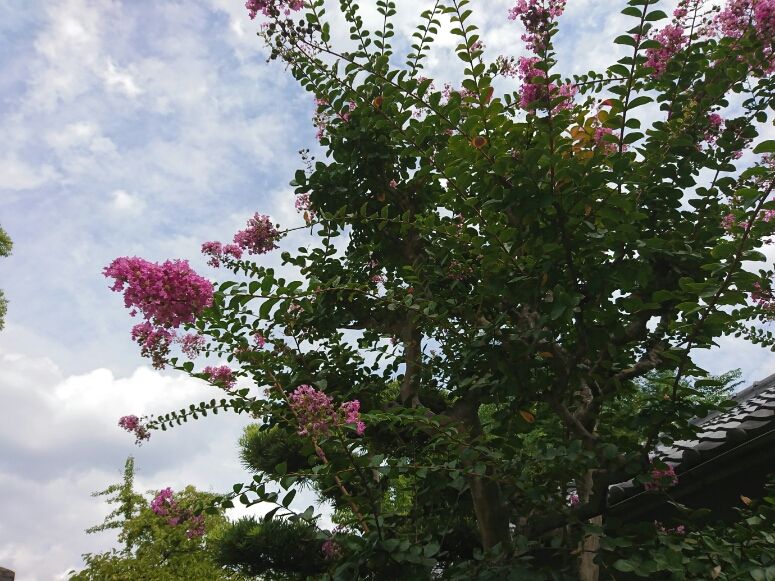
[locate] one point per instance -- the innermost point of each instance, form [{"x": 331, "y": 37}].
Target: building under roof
[{"x": 732, "y": 456}]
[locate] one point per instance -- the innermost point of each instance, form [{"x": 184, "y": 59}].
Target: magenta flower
[
  {"x": 331, "y": 549},
  {"x": 168, "y": 294},
  {"x": 316, "y": 414},
  {"x": 132, "y": 424},
  {"x": 672, "y": 39},
  {"x": 536, "y": 16},
  {"x": 154, "y": 342},
  {"x": 163, "y": 502},
  {"x": 192, "y": 345},
  {"x": 266, "y": 7},
  {"x": 662, "y": 478},
  {"x": 352, "y": 415},
  {"x": 259, "y": 338},
  {"x": 314, "y": 411},
  {"x": 221, "y": 376},
  {"x": 259, "y": 237}
]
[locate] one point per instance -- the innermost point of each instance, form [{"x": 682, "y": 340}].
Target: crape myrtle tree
[{"x": 512, "y": 253}]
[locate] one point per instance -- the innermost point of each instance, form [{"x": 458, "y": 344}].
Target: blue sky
[{"x": 145, "y": 127}]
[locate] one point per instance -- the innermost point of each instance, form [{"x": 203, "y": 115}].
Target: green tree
[
  {"x": 5, "y": 250},
  {"x": 493, "y": 269},
  {"x": 152, "y": 547}
]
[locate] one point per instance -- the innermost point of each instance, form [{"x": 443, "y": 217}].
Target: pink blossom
[
  {"x": 163, "y": 502},
  {"x": 168, "y": 294},
  {"x": 507, "y": 66},
  {"x": 232, "y": 250},
  {"x": 662, "y": 478},
  {"x": 218, "y": 252},
  {"x": 715, "y": 124},
  {"x": 535, "y": 91},
  {"x": 316, "y": 414},
  {"x": 606, "y": 145},
  {"x": 213, "y": 250},
  {"x": 259, "y": 237},
  {"x": 196, "y": 527},
  {"x": 378, "y": 278},
  {"x": 678, "y": 530},
  {"x": 393, "y": 184},
  {"x": 192, "y": 345},
  {"x": 129, "y": 423},
  {"x": 132, "y": 424},
  {"x": 222, "y": 376},
  {"x": 672, "y": 39},
  {"x": 352, "y": 415},
  {"x": 331, "y": 549},
  {"x": 259, "y": 338},
  {"x": 154, "y": 342},
  {"x": 763, "y": 298},
  {"x": 573, "y": 499},
  {"x": 314, "y": 411},
  {"x": 267, "y": 7},
  {"x": 728, "y": 222},
  {"x": 536, "y": 16}
]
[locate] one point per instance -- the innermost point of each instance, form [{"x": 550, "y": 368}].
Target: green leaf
[{"x": 765, "y": 147}]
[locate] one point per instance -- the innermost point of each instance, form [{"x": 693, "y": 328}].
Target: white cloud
[
  {"x": 17, "y": 174},
  {"x": 120, "y": 80},
  {"x": 125, "y": 203},
  {"x": 62, "y": 442}
]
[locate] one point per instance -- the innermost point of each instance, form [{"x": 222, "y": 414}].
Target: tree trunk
[{"x": 590, "y": 544}]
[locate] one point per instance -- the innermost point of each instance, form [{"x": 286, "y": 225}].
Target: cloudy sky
[{"x": 144, "y": 127}]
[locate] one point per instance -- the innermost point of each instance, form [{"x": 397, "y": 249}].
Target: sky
[{"x": 143, "y": 128}]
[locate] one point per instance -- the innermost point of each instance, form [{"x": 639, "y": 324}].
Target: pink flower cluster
[
  {"x": 715, "y": 125},
  {"x": 259, "y": 237},
  {"x": 740, "y": 16},
  {"x": 221, "y": 376},
  {"x": 154, "y": 342},
  {"x": 317, "y": 416},
  {"x": 331, "y": 549},
  {"x": 192, "y": 345},
  {"x": 303, "y": 204},
  {"x": 164, "y": 504},
  {"x": 168, "y": 295},
  {"x": 323, "y": 115},
  {"x": 532, "y": 91},
  {"x": 662, "y": 478},
  {"x": 672, "y": 39},
  {"x": 259, "y": 338},
  {"x": 266, "y": 7},
  {"x": 678, "y": 530},
  {"x": 220, "y": 252},
  {"x": 536, "y": 16},
  {"x": 763, "y": 298},
  {"x": 133, "y": 424},
  {"x": 606, "y": 145}
]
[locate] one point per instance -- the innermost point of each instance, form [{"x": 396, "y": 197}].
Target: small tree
[
  {"x": 5, "y": 250},
  {"x": 163, "y": 540},
  {"x": 517, "y": 254}
]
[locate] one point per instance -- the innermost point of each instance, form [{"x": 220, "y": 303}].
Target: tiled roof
[{"x": 720, "y": 432}]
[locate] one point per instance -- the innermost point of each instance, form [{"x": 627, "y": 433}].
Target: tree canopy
[{"x": 456, "y": 359}]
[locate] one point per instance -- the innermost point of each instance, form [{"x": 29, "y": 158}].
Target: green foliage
[
  {"x": 513, "y": 291},
  {"x": 743, "y": 549},
  {"x": 5, "y": 250},
  {"x": 272, "y": 548},
  {"x": 153, "y": 549}
]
